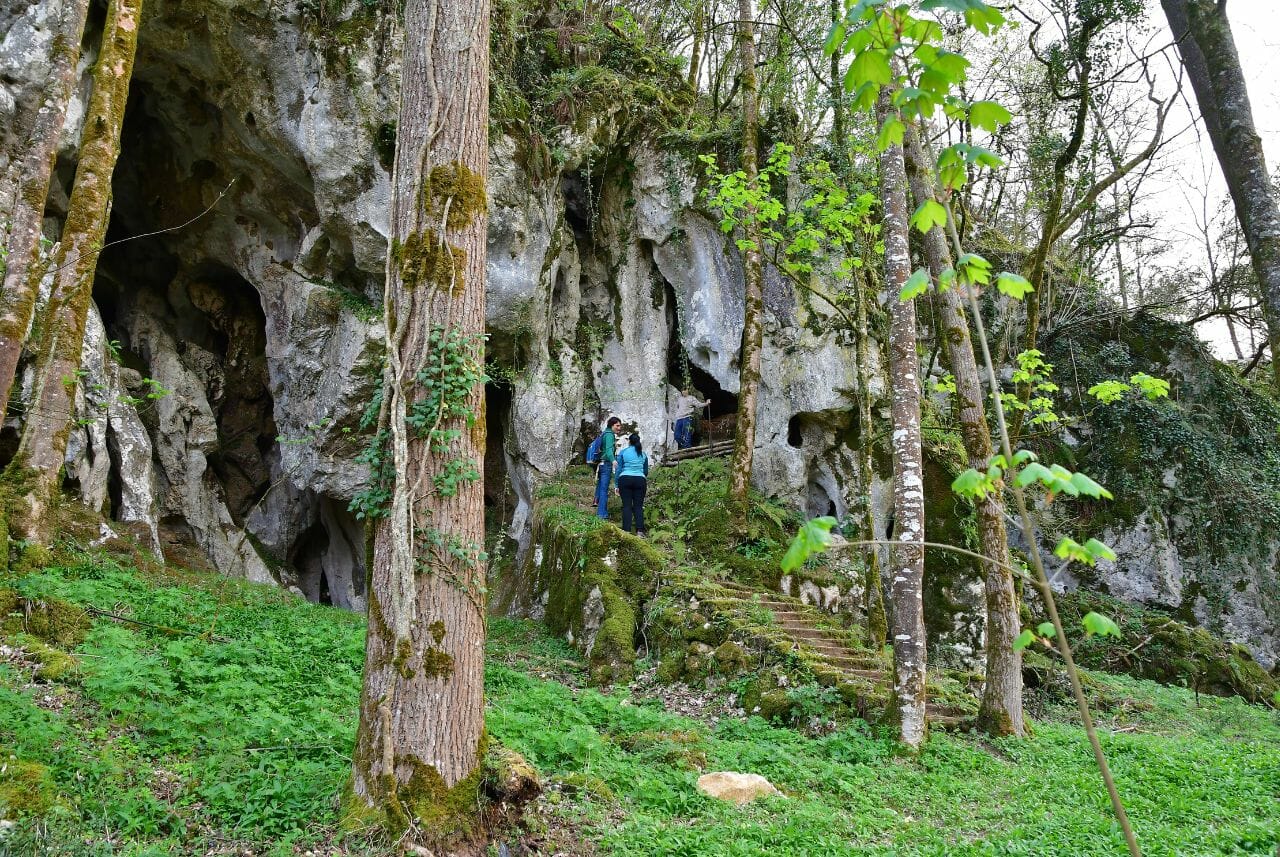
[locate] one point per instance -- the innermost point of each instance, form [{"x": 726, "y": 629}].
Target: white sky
[{"x": 1256, "y": 27}]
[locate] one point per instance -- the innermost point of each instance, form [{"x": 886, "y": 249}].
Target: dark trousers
[
  {"x": 684, "y": 432},
  {"x": 632, "y": 489}
]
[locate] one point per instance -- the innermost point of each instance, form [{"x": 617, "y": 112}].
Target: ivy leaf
[
  {"x": 946, "y": 279},
  {"x": 890, "y": 133},
  {"x": 988, "y": 115},
  {"x": 865, "y": 97},
  {"x": 1153, "y": 388},
  {"x": 971, "y": 483},
  {"x": 871, "y": 66},
  {"x": 916, "y": 285},
  {"x": 1108, "y": 392},
  {"x": 931, "y": 213},
  {"x": 1072, "y": 551},
  {"x": 836, "y": 38},
  {"x": 1098, "y": 550},
  {"x": 1096, "y": 623},
  {"x": 812, "y": 538},
  {"x": 1089, "y": 488},
  {"x": 1034, "y": 472},
  {"x": 1013, "y": 285},
  {"x": 1025, "y": 639},
  {"x": 974, "y": 268}
]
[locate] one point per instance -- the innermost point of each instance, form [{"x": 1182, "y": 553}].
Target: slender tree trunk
[
  {"x": 1213, "y": 65},
  {"x": 877, "y": 630},
  {"x": 421, "y": 733},
  {"x": 873, "y": 588},
  {"x": 1038, "y": 301},
  {"x": 31, "y": 172},
  {"x": 695, "y": 58},
  {"x": 753, "y": 272},
  {"x": 906, "y": 558},
  {"x": 1001, "y": 712},
  {"x": 44, "y": 436}
]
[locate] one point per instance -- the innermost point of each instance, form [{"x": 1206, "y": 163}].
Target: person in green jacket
[{"x": 604, "y": 470}]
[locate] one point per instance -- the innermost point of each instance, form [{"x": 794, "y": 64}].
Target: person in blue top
[
  {"x": 633, "y": 473},
  {"x": 605, "y": 469}
]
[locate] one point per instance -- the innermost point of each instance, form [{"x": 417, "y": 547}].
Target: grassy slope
[{"x": 178, "y": 744}]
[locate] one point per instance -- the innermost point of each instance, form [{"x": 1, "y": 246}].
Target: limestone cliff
[{"x": 230, "y": 359}]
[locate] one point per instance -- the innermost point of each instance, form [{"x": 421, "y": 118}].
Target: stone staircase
[{"x": 862, "y": 668}]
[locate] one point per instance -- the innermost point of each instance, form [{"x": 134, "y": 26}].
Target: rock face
[
  {"x": 236, "y": 352},
  {"x": 740, "y": 789}
]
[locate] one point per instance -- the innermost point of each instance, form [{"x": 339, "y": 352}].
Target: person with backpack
[
  {"x": 601, "y": 453},
  {"x": 633, "y": 480}
]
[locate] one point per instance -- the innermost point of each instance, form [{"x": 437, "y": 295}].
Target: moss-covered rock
[
  {"x": 698, "y": 661},
  {"x": 26, "y": 788},
  {"x": 508, "y": 777},
  {"x": 53, "y": 664},
  {"x": 681, "y": 747},
  {"x": 731, "y": 658},
  {"x": 595, "y": 579},
  {"x": 1156, "y": 646},
  {"x": 52, "y": 620}
]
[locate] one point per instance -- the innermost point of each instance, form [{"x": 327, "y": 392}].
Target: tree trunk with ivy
[
  {"x": 1001, "y": 711},
  {"x": 753, "y": 293},
  {"x": 37, "y": 465},
  {"x": 906, "y": 557},
  {"x": 31, "y": 170},
  {"x": 421, "y": 734},
  {"x": 1209, "y": 55}
]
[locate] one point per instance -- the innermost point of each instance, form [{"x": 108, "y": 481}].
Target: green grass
[{"x": 168, "y": 743}]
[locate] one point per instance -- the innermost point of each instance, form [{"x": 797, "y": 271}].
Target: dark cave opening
[
  {"x": 795, "y": 431},
  {"x": 497, "y": 483},
  {"x": 716, "y": 420}
]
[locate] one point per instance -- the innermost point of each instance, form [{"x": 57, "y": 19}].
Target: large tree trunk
[
  {"x": 753, "y": 270},
  {"x": 30, "y": 174},
  {"x": 906, "y": 557},
  {"x": 1209, "y": 55},
  {"x": 44, "y": 436},
  {"x": 1001, "y": 712},
  {"x": 420, "y": 738}
]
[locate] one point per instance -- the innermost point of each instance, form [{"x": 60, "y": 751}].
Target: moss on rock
[
  {"x": 26, "y": 788},
  {"x": 595, "y": 578},
  {"x": 1154, "y": 645}
]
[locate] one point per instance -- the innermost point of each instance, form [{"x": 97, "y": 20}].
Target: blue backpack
[{"x": 593, "y": 451}]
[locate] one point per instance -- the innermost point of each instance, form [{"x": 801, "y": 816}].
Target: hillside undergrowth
[{"x": 219, "y": 719}]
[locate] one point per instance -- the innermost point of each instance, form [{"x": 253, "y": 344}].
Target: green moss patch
[
  {"x": 1154, "y": 645},
  {"x": 595, "y": 578},
  {"x": 26, "y": 788}
]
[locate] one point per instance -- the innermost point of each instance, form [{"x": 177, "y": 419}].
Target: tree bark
[
  {"x": 44, "y": 436},
  {"x": 1035, "y": 269},
  {"x": 753, "y": 287},
  {"x": 421, "y": 709},
  {"x": 421, "y": 733},
  {"x": 877, "y": 630},
  {"x": 1209, "y": 54},
  {"x": 695, "y": 58},
  {"x": 906, "y": 557},
  {"x": 1001, "y": 711},
  {"x": 31, "y": 173}
]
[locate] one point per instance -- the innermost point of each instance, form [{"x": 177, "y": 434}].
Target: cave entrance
[
  {"x": 498, "y": 495},
  {"x": 717, "y": 421}
]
